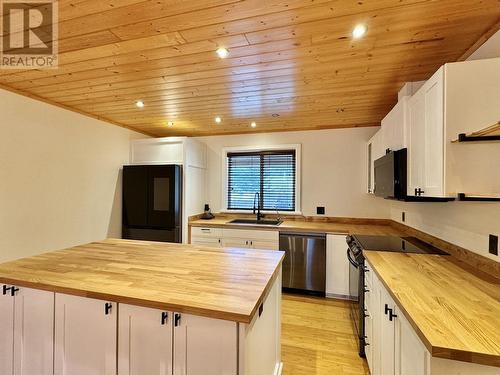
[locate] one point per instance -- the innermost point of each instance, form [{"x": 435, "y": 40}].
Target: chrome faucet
[{"x": 256, "y": 198}]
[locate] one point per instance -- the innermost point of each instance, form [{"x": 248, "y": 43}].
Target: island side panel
[{"x": 260, "y": 341}]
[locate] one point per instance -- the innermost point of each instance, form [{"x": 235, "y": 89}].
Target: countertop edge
[{"x": 437, "y": 351}]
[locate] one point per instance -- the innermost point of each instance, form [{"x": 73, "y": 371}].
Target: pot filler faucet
[{"x": 256, "y": 198}]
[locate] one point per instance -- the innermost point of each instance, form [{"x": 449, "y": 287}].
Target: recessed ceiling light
[
  {"x": 170, "y": 123},
  {"x": 139, "y": 104},
  {"x": 222, "y": 52},
  {"x": 253, "y": 125},
  {"x": 359, "y": 31},
  {"x": 218, "y": 120}
]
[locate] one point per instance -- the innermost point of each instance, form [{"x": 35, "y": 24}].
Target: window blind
[{"x": 269, "y": 173}]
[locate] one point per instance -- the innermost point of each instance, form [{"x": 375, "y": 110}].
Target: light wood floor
[{"x": 318, "y": 338}]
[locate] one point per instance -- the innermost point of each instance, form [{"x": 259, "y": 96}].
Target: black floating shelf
[
  {"x": 475, "y": 198},
  {"x": 428, "y": 199},
  {"x": 478, "y": 138}
]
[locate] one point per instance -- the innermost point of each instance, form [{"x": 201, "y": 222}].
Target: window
[{"x": 271, "y": 173}]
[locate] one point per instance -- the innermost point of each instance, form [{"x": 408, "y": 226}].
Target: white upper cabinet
[
  {"x": 394, "y": 126},
  {"x": 459, "y": 98},
  {"x": 85, "y": 336},
  {"x": 145, "y": 341},
  {"x": 425, "y": 135},
  {"x": 375, "y": 151}
]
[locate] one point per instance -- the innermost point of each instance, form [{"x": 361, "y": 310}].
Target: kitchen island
[{"x": 135, "y": 307}]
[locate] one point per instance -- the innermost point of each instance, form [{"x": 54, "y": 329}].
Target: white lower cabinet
[
  {"x": 27, "y": 326},
  {"x": 240, "y": 238},
  {"x": 394, "y": 346},
  {"x": 7, "y": 330},
  {"x": 156, "y": 342},
  {"x": 85, "y": 336},
  {"x": 337, "y": 266},
  {"x": 411, "y": 356},
  {"x": 204, "y": 346},
  {"x": 144, "y": 341}
]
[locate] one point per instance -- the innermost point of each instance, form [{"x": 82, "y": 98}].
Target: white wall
[
  {"x": 466, "y": 224},
  {"x": 60, "y": 179},
  {"x": 333, "y": 169}
]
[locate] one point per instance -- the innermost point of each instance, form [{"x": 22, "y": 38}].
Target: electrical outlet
[
  {"x": 320, "y": 210},
  {"x": 493, "y": 244},
  {"x": 403, "y": 216}
]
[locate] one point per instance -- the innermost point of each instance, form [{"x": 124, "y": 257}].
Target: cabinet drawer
[
  {"x": 206, "y": 241},
  {"x": 206, "y": 232},
  {"x": 251, "y": 234}
]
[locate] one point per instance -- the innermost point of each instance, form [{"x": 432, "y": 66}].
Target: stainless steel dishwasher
[{"x": 304, "y": 266}]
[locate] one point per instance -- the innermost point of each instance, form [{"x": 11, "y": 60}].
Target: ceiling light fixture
[
  {"x": 253, "y": 125},
  {"x": 218, "y": 120},
  {"x": 170, "y": 124},
  {"x": 222, "y": 52},
  {"x": 139, "y": 104},
  {"x": 359, "y": 31}
]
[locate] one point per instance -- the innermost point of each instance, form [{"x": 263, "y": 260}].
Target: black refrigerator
[{"x": 152, "y": 203}]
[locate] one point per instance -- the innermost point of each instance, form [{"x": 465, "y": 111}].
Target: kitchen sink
[{"x": 275, "y": 222}]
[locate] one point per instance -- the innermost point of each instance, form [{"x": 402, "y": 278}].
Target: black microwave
[{"x": 390, "y": 175}]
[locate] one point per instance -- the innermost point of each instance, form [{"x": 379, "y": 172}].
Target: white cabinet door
[
  {"x": 236, "y": 242},
  {"x": 387, "y": 334},
  {"x": 416, "y": 145},
  {"x": 145, "y": 341},
  {"x": 7, "y": 331},
  {"x": 434, "y": 136},
  {"x": 376, "y": 316},
  {"x": 393, "y": 126},
  {"x": 426, "y": 138},
  {"x": 411, "y": 356},
  {"x": 33, "y": 332},
  {"x": 264, "y": 245},
  {"x": 204, "y": 346},
  {"x": 206, "y": 241},
  {"x": 85, "y": 336},
  {"x": 337, "y": 266}
]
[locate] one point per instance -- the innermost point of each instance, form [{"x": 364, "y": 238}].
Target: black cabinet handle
[
  {"x": 13, "y": 291},
  {"x": 6, "y": 289},
  {"x": 164, "y": 318},
  {"x": 391, "y": 315},
  {"x": 177, "y": 319},
  {"x": 107, "y": 308},
  {"x": 386, "y": 309}
]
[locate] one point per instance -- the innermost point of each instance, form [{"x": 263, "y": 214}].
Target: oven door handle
[{"x": 356, "y": 265}]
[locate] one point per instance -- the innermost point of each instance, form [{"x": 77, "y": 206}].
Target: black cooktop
[{"x": 397, "y": 244}]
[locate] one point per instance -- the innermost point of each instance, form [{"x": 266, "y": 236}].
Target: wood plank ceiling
[{"x": 293, "y": 64}]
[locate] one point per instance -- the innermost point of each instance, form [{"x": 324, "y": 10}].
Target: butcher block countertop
[
  {"x": 334, "y": 227},
  {"x": 227, "y": 284},
  {"x": 455, "y": 313}
]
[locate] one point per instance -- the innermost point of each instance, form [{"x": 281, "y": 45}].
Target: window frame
[{"x": 272, "y": 148}]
